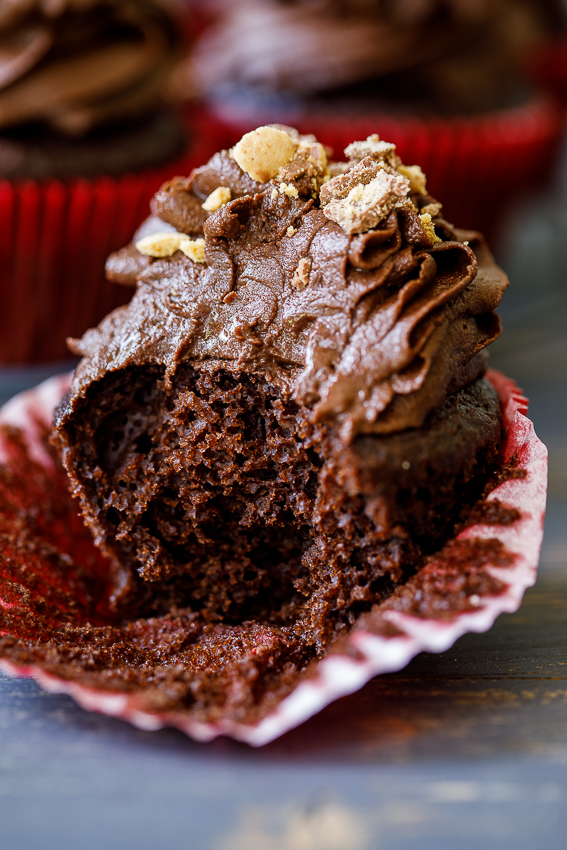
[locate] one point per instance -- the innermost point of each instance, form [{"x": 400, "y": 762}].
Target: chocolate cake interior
[{"x": 230, "y": 502}]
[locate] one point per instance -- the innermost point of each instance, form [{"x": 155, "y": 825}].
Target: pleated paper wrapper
[{"x": 395, "y": 631}]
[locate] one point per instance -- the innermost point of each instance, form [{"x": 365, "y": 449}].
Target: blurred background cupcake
[
  {"x": 87, "y": 133},
  {"x": 443, "y": 79}
]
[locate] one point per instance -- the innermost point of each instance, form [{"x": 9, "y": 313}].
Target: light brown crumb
[
  {"x": 432, "y": 209},
  {"x": 376, "y": 149},
  {"x": 194, "y": 249},
  {"x": 429, "y": 227},
  {"x": 415, "y": 176},
  {"x": 274, "y": 194},
  {"x": 291, "y": 230},
  {"x": 160, "y": 245},
  {"x": 262, "y": 152},
  {"x": 300, "y": 279},
  {"x": 313, "y": 151},
  {"x": 289, "y": 190},
  {"x": 217, "y": 199},
  {"x": 364, "y": 196},
  {"x": 337, "y": 168},
  {"x": 307, "y": 170}
]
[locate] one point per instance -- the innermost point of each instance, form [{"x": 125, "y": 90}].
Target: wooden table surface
[{"x": 460, "y": 750}]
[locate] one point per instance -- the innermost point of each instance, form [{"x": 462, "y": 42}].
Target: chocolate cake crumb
[
  {"x": 239, "y": 512},
  {"x": 507, "y": 470},
  {"x": 452, "y": 581},
  {"x": 491, "y": 512}
]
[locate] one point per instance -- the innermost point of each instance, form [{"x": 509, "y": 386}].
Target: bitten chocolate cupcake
[
  {"x": 290, "y": 416},
  {"x": 86, "y": 137}
]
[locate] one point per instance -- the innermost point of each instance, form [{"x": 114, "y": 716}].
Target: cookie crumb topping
[
  {"x": 429, "y": 227},
  {"x": 262, "y": 152},
  {"x": 300, "y": 279},
  {"x": 289, "y": 190},
  {"x": 194, "y": 249},
  {"x": 357, "y": 195},
  {"x": 160, "y": 245},
  {"x": 364, "y": 196},
  {"x": 217, "y": 199},
  {"x": 433, "y": 209},
  {"x": 415, "y": 176},
  {"x": 375, "y": 148}
]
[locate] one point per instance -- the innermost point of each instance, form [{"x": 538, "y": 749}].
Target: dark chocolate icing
[
  {"x": 77, "y": 64},
  {"x": 384, "y": 324}
]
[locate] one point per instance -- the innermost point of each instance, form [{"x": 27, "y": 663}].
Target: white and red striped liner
[{"x": 339, "y": 674}]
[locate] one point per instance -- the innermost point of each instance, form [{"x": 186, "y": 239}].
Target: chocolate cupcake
[
  {"x": 84, "y": 126},
  {"x": 291, "y": 459},
  {"x": 82, "y": 85},
  {"x": 288, "y": 419}
]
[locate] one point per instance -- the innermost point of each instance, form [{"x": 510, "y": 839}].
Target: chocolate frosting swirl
[
  {"x": 76, "y": 64},
  {"x": 370, "y": 330}
]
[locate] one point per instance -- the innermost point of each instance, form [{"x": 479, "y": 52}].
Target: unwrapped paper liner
[{"x": 362, "y": 654}]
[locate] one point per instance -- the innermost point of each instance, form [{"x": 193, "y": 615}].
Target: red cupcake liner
[
  {"x": 54, "y": 241},
  {"x": 476, "y": 166},
  {"x": 383, "y": 641},
  {"x": 548, "y": 66}
]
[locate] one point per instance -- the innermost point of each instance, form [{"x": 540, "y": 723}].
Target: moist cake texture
[
  {"x": 244, "y": 510},
  {"x": 290, "y": 416}
]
